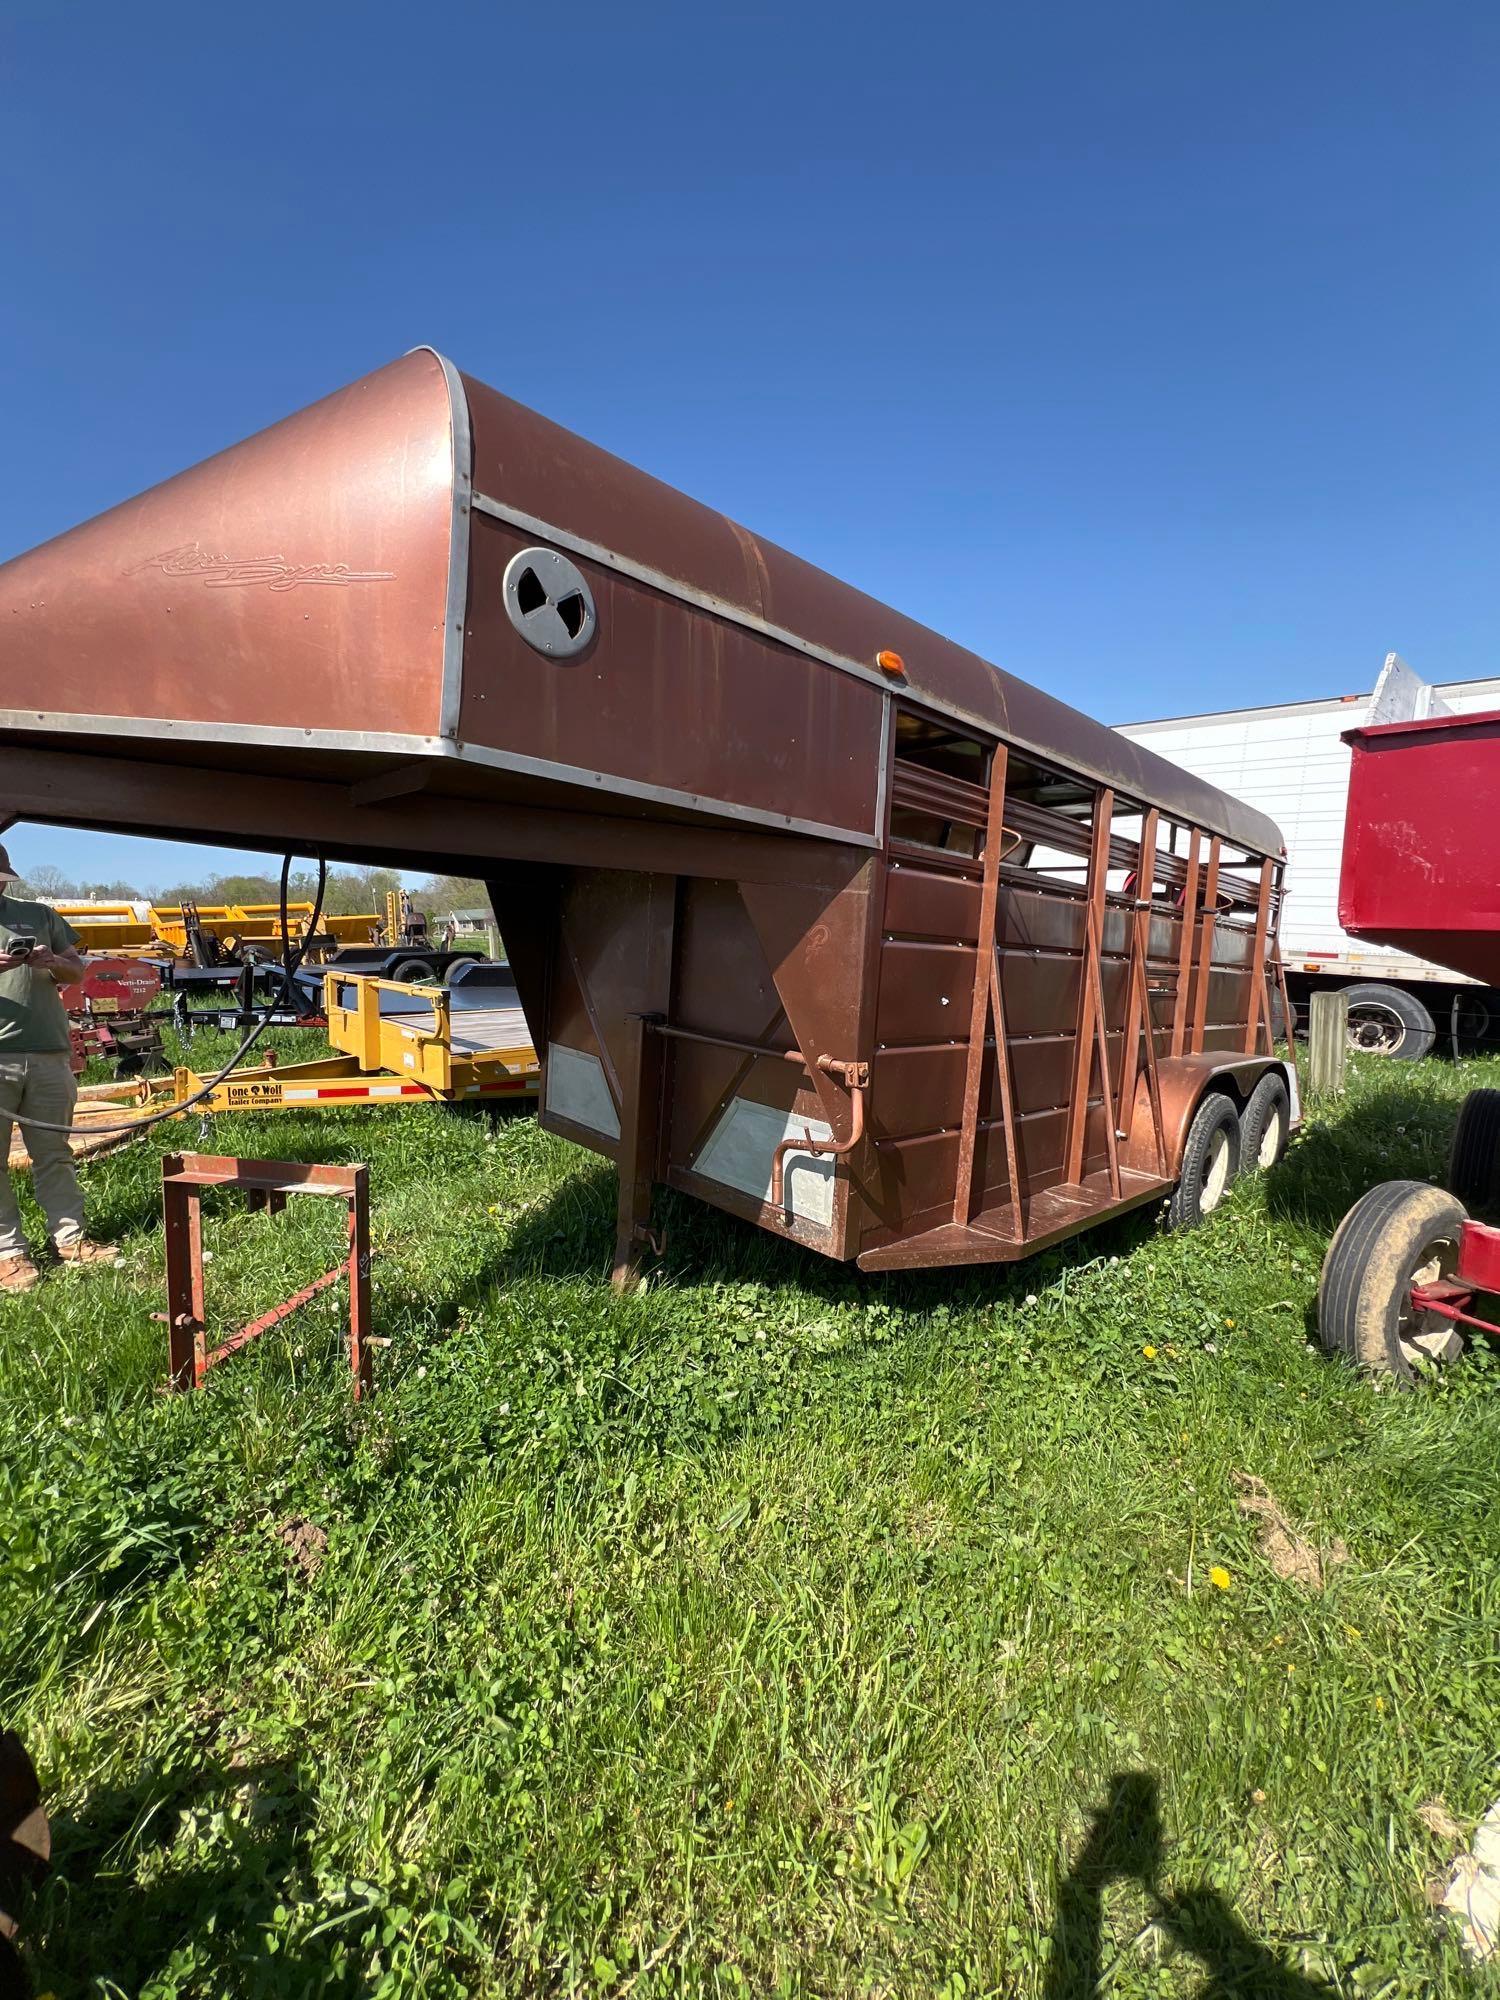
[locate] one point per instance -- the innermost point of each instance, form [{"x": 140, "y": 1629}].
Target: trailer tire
[
  {"x": 1210, "y": 1161},
  {"x": 459, "y": 965},
  {"x": 1265, "y": 1124},
  {"x": 1364, "y": 1307},
  {"x": 1474, "y": 1161},
  {"x": 414, "y": 972},
  {"x": 1387, "y": 1021}
]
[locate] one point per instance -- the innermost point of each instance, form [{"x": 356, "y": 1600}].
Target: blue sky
[{"x": 1148, "y": 350}]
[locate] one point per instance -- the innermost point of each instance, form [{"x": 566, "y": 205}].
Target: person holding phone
[{"x": 38, "y": 953}]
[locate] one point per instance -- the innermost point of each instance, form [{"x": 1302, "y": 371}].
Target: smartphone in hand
[{"x": 22, "y": 944}]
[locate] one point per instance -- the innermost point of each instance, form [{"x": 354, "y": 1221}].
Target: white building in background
[{"x": 1289, "y": 760}]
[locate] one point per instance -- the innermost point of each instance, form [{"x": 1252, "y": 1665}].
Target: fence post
[{"x": 1328, "y": 1043}]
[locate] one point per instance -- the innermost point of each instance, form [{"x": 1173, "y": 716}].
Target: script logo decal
[{"x": 275, "y": 572}]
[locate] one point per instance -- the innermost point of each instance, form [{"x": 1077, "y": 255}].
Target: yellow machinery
[
  {"x": 123, "y": 929},
  {"x": 396, "y": 1044},
  {"x": 139, "y": 930}
]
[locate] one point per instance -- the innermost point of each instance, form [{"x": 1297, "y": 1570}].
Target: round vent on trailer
[{"x": 548, "y": 600}]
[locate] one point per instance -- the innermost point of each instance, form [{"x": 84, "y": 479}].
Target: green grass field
[{"x": 775, "y": 1631}]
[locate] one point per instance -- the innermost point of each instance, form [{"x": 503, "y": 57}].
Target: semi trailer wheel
[
  {"x": 1474, "y": 1161},
  {"x": 1400, "y": 1234},
  {"x": 1385, "y": 1021},
  {"x": 1210, "y": 1161},
  {"x": 414, "y": 972},
  {"x": 1265, "y": 1124},
  {"x": 1470, "y": 1022},
  {"x": 457, "y": 966}
]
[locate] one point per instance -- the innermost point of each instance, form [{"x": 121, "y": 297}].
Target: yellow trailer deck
[{"x": 396, "y": 1044}]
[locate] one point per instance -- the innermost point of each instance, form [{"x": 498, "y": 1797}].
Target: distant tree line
[{"x": 350, "y": 891}]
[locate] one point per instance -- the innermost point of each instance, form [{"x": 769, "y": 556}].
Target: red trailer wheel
[
  {"x": 1474, "y": 1161},
  {"x": 1400, "y": 1234}
]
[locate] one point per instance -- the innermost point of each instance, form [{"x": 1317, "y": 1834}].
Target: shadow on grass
[
  {"x": 1124, "y": 1843},
  {"x": 572, "y": 1235},
  {"x": 1399, "y": 1132},
  {"x": 115, "y": 1908}
]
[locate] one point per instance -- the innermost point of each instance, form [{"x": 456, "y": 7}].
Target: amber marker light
[{"x": 890, "y": 663}]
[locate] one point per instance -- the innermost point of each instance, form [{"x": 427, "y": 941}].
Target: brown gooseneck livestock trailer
[{"x": 813, "y": 914}]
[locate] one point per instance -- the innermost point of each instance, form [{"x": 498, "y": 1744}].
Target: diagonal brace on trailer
[{"x": 184, "y": 1179}]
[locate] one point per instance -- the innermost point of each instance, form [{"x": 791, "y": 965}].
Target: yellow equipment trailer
[
  {"x": 395, "y": 1044},
  {"x": 123, "y": 929}
]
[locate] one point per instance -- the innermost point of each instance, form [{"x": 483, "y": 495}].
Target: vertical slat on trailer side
[
  {"x": 1186, "y": 943},
  {"x": 1204, "y": 970},
  {"x": 1101, "y": 1039},
  {"x": 979, "y": 1007},
  {"x": 1286, "y": 1002},
  {"x": 1007, "y": 1098},
  {"x": 1089, "y": 998},
  {"x": 1138, "y": 1018},
  {"x": 1260, "y": 997}
]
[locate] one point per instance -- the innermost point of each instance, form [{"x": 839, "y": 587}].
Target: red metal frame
[
  {"x": 1478, "y": 1271},
  {"x": 184, "y": 1178}
]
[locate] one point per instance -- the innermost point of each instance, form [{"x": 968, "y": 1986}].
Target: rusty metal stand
[{"x": 267, "y": 1183}]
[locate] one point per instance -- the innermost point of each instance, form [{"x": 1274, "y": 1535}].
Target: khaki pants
[{"x": 40, "y": 1086}]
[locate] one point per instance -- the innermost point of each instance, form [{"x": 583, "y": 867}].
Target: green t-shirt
[{"x": 33, "y": 1020}]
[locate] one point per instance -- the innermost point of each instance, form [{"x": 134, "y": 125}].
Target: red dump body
[
  {"x": 1422, "y": 841},
  {"x": 813, "y": 914}
]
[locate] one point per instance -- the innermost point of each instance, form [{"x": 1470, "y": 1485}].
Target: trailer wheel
[
  {"x": 1385, "y": 1021},
  {"x": 1210, "y": 1161},
  {"x": 414, "y": 972},
  {"x": 1265, "y": 1124},
  {"x": 1399, "y": 1234},
  {"x": 1474, "y": 1162},
  {"x": 1469, "y": 1022},
  {"x": 459, "y": 965}
]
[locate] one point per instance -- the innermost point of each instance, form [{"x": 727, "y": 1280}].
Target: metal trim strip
[
  {"x": 32, "y": 721},
  {"x": 35, "y": 720},
  {"x": 883, "y": 777},
  {"x": 458, "y": 547},
  {"x": 666, "y": 795}
]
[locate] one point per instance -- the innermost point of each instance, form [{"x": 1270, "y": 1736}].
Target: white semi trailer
[{"x": 1290, "y": 761}]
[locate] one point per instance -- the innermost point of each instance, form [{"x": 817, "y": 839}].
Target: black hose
[{"x": 291, "y": 964}]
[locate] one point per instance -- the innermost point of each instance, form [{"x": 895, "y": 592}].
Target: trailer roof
[
  {"x": 193, "y": 614},
  {"x": 538, "y": 470}
]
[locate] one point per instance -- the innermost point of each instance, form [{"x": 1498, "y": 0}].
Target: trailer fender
[{"x": 1183, "y": 1082}]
